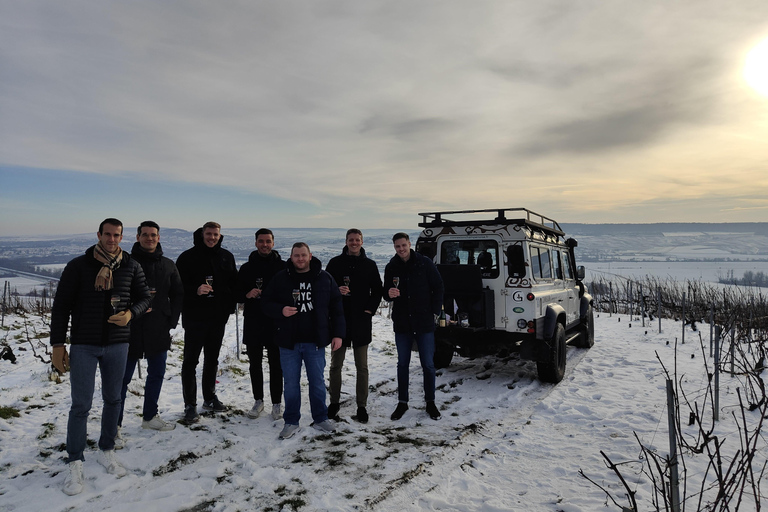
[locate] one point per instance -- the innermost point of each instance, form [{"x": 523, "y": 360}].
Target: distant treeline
[
  {"x": 25, "y": 266},
  {"x": 749, "y": 279}
]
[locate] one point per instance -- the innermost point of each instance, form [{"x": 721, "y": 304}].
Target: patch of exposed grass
[
  {"x": 7, "y": 412},
  {"x": 47, "y": 430}
]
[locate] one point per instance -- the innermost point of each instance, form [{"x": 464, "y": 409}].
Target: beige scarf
[{"x": 110, "y": 262}]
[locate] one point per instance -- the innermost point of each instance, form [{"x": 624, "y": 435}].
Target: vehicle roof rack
[{"x": 523, "y": 217}]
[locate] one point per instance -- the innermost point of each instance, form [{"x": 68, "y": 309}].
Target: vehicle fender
[
  {"x": 584, "y": 303},
  {"x": 550, "y": 321}
]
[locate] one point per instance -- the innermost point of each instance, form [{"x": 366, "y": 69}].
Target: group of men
[{"x": 123, "y": 306}]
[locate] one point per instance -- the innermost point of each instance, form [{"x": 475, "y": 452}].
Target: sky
[{"x": 344, "y": 113}]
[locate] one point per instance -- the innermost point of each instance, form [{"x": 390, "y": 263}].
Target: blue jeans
[
  {"x": 83, "y": 360},
  {"x": 314, "y": 361},
  {"x": 152, "y": 386},
  {"x": 426, "y": 344}
]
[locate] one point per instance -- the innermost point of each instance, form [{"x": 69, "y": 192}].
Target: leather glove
[
  {"x": 60, "y": 358},
  {"x": 121, "y": 319}
]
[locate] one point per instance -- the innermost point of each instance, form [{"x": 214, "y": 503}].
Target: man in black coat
[
  {"x": 415, "y": 288},
  {"x": 306, "y": 304},
  {"x": 361, "y": 289},
  {"x": 209, "y": 275},
  {"x": 101, "y": 292},
  {"x": 150, "y": 334},
  {"x": 258, "y": 328}
]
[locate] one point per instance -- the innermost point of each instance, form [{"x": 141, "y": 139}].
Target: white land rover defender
[{"x": 511, "y": 283}]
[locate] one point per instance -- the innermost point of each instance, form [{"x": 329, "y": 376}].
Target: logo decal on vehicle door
[
  {"x": 518, "y": 310},
  {"x": 517, "y": 296}
]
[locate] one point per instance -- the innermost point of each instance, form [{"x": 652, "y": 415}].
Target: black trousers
[{"x": 205, "y": 337}]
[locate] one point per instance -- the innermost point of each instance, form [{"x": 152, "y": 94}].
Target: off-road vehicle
[{"x": 511, "y": 284}]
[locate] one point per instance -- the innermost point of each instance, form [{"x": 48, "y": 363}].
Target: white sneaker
[
  {"x": 158, "y": 423},
  {"x": 325, "y": 426},
  {"x": 74, "y": 482},
  {"x": 107, "y": 459},
  {"x": 119, "y": 439},
  {"x": 277, "y": 412},
  {"x": 288, "y": 431},
  {"x": 258, "y": 406}
]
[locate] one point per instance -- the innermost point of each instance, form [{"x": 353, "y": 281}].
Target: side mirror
[{"x": 580, "y": 272}]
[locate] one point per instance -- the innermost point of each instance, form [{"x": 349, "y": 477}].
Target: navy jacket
[
  {"x": 196, "y": 263},
  {"x": 365, "y": 294},
  {"x": 76, "y": 297},
  {"x": 326, "y": 302},
  {"x": 150, "y": 333},
  {"x": 258, "y": 327},
  {"x": 421, "y": 293}
]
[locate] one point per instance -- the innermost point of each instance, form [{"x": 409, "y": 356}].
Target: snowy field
[{"x": 505, "y": 441}]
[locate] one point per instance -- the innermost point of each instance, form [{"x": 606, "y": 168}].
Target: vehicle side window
[
  {"x": 484, "y": 253},
  {"x": 535, "y": 262},
  {"x": 557, "y": 264},
  {"x": 546, "y": 264},
  {"x": 568, "y": 267}
]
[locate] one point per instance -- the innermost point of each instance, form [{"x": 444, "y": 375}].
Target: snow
[{"x": 505, "y": 441}]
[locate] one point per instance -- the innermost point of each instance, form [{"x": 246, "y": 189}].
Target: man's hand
[
  {"x": 289, "y": 311},
  {"x": 254, "y": 293},
  {"x": 335, "y": 344},
  {"x": 121, "y": 319},
  {"x": 394, "y": 293},
  {"x": 204, "y": 289},
  {"x": 60, "y": 358}
]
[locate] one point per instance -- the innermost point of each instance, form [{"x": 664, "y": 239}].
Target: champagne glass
[
  {"x": 115, "y": 301},
  {"x": 396, "y": 281},
  {"x": 152, "y": 292},
  {"x": 296, "y": 294},
  {"x": 209, "y": 282},
  {"x": 259, "y": 281},
  {"x": 346, "y": 283}
]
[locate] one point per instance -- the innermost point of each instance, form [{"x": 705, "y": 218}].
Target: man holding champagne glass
[
  {"x": 98, "y": 338},
  {"x": 209, "y": 275}
]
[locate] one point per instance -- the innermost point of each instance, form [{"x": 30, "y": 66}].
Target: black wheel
[
  {"x": 443, "y": 355},
  {"x": 587, "y": 330},
  {"x": 553, "y": 368}
]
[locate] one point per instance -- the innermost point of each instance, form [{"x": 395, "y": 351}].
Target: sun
[{"x": 756, "y": 68}]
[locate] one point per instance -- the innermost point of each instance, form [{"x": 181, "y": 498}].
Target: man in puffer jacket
[
  {"x": 150, "y": 334},
  {"x": 306, "y": 303},
  {"x": 205, "y": 311},
  {"x": 101, "y": 292}
]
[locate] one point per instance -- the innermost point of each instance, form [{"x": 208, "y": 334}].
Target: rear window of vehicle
[{"x": 484, "y": 253}]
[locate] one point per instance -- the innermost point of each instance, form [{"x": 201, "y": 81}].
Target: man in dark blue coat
[
  {"x": 150, "y": 334},
  {"x": 100, "y": 292},
  {"x": 258, "y": 328},
  {"x": 209, "y": 275},
  {"x": 306, "y": 303},
  {"x": 360, "y": 285},
  {"x": 415, "y": 288}
]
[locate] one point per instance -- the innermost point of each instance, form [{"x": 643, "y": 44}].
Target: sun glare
[{"x": 756, "y": 68}]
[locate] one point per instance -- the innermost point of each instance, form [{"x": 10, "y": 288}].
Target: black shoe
[
  {"x": 432, "y": 411},
  {"x": 214, "y": 405},
  {"x": 333, "y": 411},
  {"x": 190, "y": 415},
  {"x": 399, "y": 411},
  {"x": 362, "y": 415}
]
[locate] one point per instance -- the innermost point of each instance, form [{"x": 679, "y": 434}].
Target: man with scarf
[
  {"x": 258, "y": 328},
  {"x": 101, "y": 292},
  {"x": 361, "y": 289},
  {"x": 209, "y": 275},
  {"x": 150, "y": 336},
  {"x": 306, "y": 303}
]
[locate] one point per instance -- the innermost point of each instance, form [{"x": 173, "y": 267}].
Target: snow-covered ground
[{"x": 505, "y": 441}]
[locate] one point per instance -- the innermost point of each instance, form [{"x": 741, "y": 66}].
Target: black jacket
[
  {"x": 326, "y": 301},
  {"x": 149, "y": 334},
  {"x": 421, "y": 293},
  {"x": 196, "y": 263},
  {"x": 365, "y": 293},
  {"x": 258, "y": 328},
  {"x": 77, "y": 297}
]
